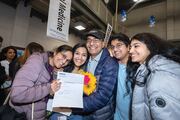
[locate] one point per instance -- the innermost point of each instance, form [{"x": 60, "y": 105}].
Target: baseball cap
[{"x": 96, "y": 33}]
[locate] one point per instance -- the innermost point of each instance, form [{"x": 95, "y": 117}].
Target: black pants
[{"x": 2, "y": 96}]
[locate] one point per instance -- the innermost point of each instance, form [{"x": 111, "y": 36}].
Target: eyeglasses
[
  {"x": 118, "y": 46},
  {"x": 94, "y": 40},
  {"x": 65, "y": 58}
]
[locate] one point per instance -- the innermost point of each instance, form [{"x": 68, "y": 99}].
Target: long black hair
[
  {"x": 156, "y": 46},
  {"x": 71, "y": 65},
  {"x": 131, "y": 69}
]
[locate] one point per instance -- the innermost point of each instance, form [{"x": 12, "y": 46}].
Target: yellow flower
[{"x": 89, "y": 82}]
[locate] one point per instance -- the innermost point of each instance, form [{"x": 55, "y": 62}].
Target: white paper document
[
  {"x": 49, "y": 105},
  {"x": 71, "y": 92},
  {"x": 63, "y": 111}
]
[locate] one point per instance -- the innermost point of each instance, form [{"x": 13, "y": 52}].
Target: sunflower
[{"x": 89, "y": 82}]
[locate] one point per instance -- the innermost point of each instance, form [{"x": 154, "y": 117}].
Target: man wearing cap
[{"x": 100, "y": 104}]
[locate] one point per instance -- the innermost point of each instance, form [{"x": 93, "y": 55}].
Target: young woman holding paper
[
  {"x": 34, "y": 81},
  {"x": 80, "y": 56}
]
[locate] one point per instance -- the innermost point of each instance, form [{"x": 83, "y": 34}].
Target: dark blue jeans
[
  {"x": 89, "y": 117},
  {"x": 55, "y": 116}
]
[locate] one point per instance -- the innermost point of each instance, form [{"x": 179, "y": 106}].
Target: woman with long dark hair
[
  {"x": 7, "y": 56},
  {"x": 80, "y": 57},
  {"x": 157, "y": 79}
]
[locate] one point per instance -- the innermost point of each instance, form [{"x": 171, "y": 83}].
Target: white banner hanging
[
  {"x": 58, "y": 19},
  {"x": 108, "y": 34}
]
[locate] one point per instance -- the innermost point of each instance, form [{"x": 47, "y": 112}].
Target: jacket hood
[{"x": 161, "y": 63}]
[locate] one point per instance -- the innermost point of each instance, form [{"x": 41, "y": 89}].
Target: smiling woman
[
  {"x": 156, "y": 90},
  {"x": 80, "y": 57},
  {"x": 7, "y": 56},
  {"x": 34, "y": 81}
]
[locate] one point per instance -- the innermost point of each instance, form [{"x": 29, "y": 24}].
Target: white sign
[
  {"x": 71, "y": 92},
  {"x": 58, "y": 19},
  {"x": 108, "y": 34}
]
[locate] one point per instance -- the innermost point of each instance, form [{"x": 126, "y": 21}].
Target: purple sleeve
[{"x": 24, "y": 89}]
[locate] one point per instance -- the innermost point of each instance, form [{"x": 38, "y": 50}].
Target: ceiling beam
[{"x": 81, "y": 7}]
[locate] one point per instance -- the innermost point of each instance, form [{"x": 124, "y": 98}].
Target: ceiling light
[
  {"x": 138, "y": 0},
  {"x": 106, "y": 1},
  {"x": 80, "y": 27}
]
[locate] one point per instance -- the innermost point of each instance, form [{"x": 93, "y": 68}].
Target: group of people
[
  {"x": 140, "y": 82},
  {"x": 10, "y": 64}
]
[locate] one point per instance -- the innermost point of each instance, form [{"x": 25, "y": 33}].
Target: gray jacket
[
  {"x": 31, "y": 84},
  {"x": 159, "y": 98}
]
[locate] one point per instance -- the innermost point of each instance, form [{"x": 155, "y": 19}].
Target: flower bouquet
[{"x": 89, "y": 82}]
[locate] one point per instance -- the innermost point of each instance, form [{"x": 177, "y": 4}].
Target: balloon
[
  {"x": 123, "y": 15},
  {"x": 152, "y": 21}
]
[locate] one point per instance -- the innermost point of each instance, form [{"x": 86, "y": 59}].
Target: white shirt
[{"x": 5, "y": 64}]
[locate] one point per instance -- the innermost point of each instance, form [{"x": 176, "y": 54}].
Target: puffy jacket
[
  {"x": 31, "y": 84},
  {"x": 158, "y": 98},
  {"x": 101, "y": 104}
]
